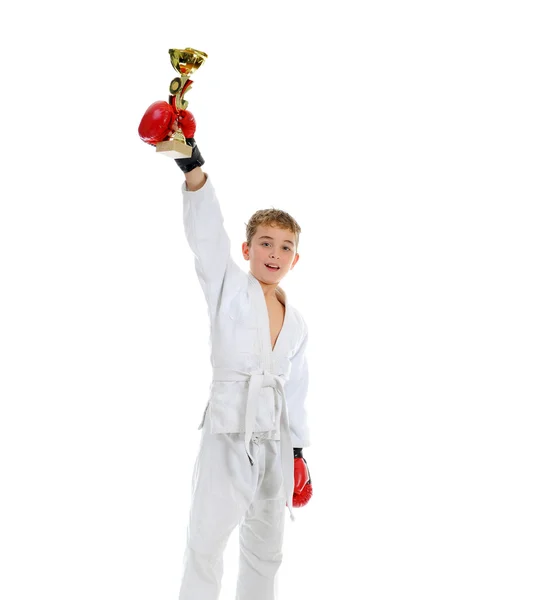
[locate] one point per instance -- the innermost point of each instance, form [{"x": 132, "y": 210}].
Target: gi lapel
[{"x": 263, "y": 322}]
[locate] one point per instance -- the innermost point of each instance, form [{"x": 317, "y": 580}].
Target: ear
[
  {"x": 294, "y": 261},
  {"x": 245, "y": 250}
]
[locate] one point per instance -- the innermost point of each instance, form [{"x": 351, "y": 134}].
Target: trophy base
[{"x": 174, "y": 149}]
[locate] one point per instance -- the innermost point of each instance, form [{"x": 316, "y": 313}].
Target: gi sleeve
[
  {"x": 296, "y": 394},
  {"x": 207, "y": 238}
]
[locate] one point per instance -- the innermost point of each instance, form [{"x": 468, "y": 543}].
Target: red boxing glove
[
  {"x": 187, "y": 123},
  {"x": 156, "y": 124},
  {"x": 303, "y": 489}
]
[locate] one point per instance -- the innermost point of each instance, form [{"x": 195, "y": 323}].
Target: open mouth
[{"x": 271, "y": 268}]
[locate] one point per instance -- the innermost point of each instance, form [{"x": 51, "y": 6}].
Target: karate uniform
[{"x": 255, "y": 416}]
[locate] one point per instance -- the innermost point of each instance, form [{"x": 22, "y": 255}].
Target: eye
[
  {"x": 287, "y": 247},
  {"x": 265, "y": 243}
]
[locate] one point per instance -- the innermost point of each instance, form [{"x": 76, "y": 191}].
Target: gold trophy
[{"x": 185, "y": 62}]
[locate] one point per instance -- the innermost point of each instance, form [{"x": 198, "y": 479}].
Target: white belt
[{"x": 258, "y": 380}]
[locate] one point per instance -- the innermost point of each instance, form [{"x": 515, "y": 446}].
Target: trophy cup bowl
[{"x": 187, "y": 61}]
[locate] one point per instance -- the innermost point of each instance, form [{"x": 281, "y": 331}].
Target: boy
[{"x": 249, "y": 465}]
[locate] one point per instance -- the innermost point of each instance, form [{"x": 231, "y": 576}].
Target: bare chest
[{"x": 276, "y": 319}]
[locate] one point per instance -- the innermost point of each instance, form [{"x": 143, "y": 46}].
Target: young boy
[{"x": 249, "y": 465}]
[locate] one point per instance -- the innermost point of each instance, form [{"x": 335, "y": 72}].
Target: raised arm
[
  {"x": 203, "y": 223},
  {"x": 202, "y": 218},
  {"x": 208, "y": 240}
]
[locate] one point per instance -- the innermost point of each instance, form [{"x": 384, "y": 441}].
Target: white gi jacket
[{"x": 254, "y": 388}]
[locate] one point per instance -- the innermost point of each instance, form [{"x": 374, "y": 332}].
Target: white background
[{"x": 403, "y": 137}]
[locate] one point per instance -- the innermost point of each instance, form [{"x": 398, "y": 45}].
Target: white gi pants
[{"x": 228, "y": 491}]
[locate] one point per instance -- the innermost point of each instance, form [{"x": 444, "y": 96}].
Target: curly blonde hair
[{"x": 272, "y": 217}]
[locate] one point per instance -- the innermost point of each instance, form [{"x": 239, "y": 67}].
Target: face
[{"x": 274, "y": 246}]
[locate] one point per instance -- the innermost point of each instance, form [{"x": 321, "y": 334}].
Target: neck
[{"x": 268, "y": 289}]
